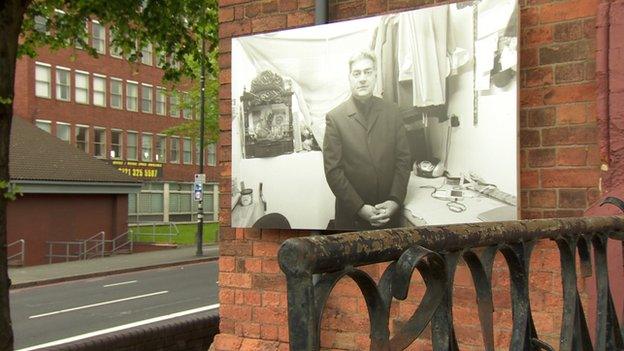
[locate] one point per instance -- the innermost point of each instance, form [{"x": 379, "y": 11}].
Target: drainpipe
[
  {"x": 602, "y": 78},
  {"x": 320, "y": 11}
]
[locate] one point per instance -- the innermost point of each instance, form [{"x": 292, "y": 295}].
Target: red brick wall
[
  {"x": 559, "y": 177},
  {"x": 38, "y": 218},
  {"x": 31, "y": 108}
]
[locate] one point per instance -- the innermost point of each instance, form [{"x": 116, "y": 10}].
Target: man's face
[{"x": 362, "y": 78}]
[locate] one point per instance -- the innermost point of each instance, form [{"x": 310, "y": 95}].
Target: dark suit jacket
[{"x": 365, "y": 165}]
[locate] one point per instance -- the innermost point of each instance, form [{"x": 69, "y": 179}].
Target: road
[{"x": 56, "y": 312}]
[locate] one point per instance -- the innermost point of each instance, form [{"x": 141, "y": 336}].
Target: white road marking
[
  {"x": 122, "y": 283},
  {"x": 121, "y": 327},
  {"x": 98, "y": 304}
]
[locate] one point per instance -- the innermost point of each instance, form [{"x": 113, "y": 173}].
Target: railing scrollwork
[{"x": 435, "y": 253}]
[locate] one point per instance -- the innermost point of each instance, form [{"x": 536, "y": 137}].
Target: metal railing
[
  {"x": 18, "y": 258},
  {"x": 173, "y": 232},
  {"x": 94, "y": 246},
  {"x": 69, "y": 250},
  {"x": 435, "y": 252},
  {"x": 121, "y": 242},
  {"x": 77, "y": 249}
]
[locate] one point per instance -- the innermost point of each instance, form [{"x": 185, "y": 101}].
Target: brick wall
[
  {"x": 194, "y": 333},
  {"x": 31, "y": 108},
  {"x": 38, "y": 218},
  {"x": 559, "y": 177}
]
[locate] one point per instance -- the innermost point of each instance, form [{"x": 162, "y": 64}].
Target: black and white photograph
[{"x": 406, "y": 119}]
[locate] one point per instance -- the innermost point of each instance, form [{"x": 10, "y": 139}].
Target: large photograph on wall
[{"x": 405, "y": 119}]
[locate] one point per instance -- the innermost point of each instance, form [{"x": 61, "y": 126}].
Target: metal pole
[
  {"x": 320, "y": 11},
  {"x": 200, "y": 209}
]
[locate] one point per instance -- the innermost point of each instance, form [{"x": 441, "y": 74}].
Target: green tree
[
  {"x": 211, "y": 103},
  {"x": 176, "y": 27}
]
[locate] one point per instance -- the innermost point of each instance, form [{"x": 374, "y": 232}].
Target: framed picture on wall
[{"x": 405, "y": 119}]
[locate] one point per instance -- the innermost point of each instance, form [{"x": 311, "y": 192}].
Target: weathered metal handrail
[
  {"x": 435, "y": 251},
  {"x": 21, "y": 253},
  {"x": 73, "y": 250},
  {"x": 173, "y": 232},
  {"x": 94, "y": 246},
  {"x": 121, "y": 241}
]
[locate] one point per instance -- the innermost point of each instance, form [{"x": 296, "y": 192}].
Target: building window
[
  {"x": 146, "y": 54},
  {"x": 196, "y": 146},
  {"x": 99, "y": 90},
  {"x": 161, "y": 148},
  {"x": 42, "y": 80},
  {"x": 81, "y": 86},
  {"x": 116, "y": 144},
  {"x": 212, "y": 155},
  {"x": 114, "y": 50},
  {"x": 132, "y": 96},
  {"x": 160, "y": 101},
  {"x": 99, "y": 142},
  {"x": 187, "y": 112},
  {"x": 131, "y": 146},
  {"x": 98, "y": 37},
  {"x": 44, "y": 125},
  {"x": 146, "y": 147},
  {"x": 82, "y": 138},
  {"x": 175, "y": 150},
  {"x": 41, "y": 24},
  {"x": 63, "y": 131},
  {"x": 146, "y": 98},
  {"x": 186, "y": 151},
  {"x": 116, "y": 93},
  {"x": 63, "y": 84},
  {"x": 174, "y": 108}
]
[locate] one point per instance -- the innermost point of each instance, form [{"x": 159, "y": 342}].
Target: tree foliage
[{"x": 175, "y": 27}]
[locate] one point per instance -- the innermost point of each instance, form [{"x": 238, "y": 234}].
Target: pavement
[{"x": 22, "y": 277}]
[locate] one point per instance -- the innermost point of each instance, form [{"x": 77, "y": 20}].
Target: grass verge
[{"x": 186, "y": 235}]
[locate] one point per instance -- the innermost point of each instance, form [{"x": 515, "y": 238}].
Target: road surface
[{"x": 67, "y": 310}]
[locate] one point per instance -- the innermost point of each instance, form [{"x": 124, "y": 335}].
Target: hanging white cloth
[{"x": 422, "y": 54}]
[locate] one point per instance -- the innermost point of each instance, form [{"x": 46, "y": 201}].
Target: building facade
[{"x": 117, "y": 111}]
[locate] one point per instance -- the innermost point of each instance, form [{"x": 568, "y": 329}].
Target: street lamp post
[{"x": 202, "y": 98}]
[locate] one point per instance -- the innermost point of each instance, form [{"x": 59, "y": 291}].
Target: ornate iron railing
[{"x": 435, "y": 252}]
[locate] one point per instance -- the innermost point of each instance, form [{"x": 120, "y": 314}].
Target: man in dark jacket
[{"x": 366, "y": 155}]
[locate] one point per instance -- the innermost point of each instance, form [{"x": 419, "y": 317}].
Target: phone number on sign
[{"x": 140, "y": 173}]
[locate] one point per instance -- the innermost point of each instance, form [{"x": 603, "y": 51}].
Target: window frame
[
  {"x": 47, "y": 122},
  {"x": 136, "y": 147},
  {"x": 163, "y": 138},
  {"x": 120, "y": 95},
  {"x": 120, "y": 144},
  {"x": 131, "y": 83},
  {"x": 102, "y": 92},
  {"x": 86, "y": 141},
  {"x": 48, "y": 83},
  {"x": 147, "y": 55},
  {"x": 145, "y": 86},
  {"x": 144, "y": 136},
  {"x": 185, "y": 152},
  {"x": 102, "y": 143},
  {"x": 78, "y": 88},
  {"x": 174, "y": 97},
  {"x": 161, "y": 92},
  {"x": 69, "y": 131},
  {"x": 99, "y": 40},
  {"x": 59, "y": 86},
  {"x": 174, "y": 140}
]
